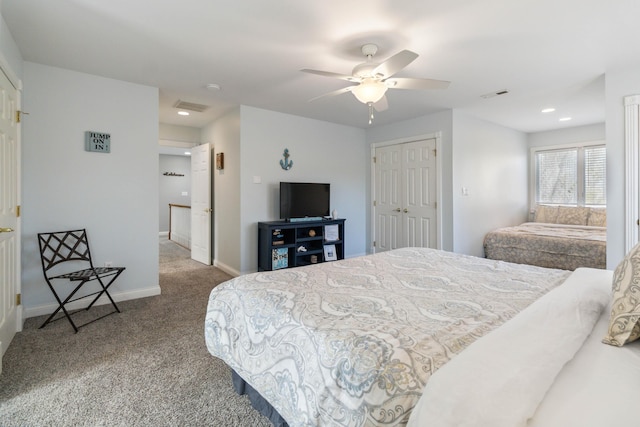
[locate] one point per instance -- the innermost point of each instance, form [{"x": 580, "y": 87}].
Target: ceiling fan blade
[
  {"x": 381, "y": 105},
  {"x": 394, "y": 64},
  {"x": 420, "y": 84},
  {"x": 332, "y": 75},
  {"x": 335, "y": 92}
]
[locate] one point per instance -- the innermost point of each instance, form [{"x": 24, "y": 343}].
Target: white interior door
[
  {"x": 419, "y": 210},
  {"x": 405, "y": 196},
  {"x": 388, "y": 197},
  {"x": 201, "y": 203},
  {"x": 9, "y": 237}
]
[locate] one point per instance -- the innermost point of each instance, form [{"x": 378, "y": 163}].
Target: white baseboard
[
  {"x": 163, "y": 234},
  {"x": 117, "y": 296},
  {"x": 226, "y": 268}
]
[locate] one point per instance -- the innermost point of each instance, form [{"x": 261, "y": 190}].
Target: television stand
[{"x": 286, "y": 244}]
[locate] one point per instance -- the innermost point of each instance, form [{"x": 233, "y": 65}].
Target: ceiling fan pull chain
[{"x": 370, "y": 112}]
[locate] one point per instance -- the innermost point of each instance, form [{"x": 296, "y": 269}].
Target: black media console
[{"x": 284, "y": 244}]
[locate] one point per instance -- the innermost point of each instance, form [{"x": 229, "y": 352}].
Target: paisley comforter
[
  {"x": 549, "y": 245},
  {"x": 353, "y": 342}
]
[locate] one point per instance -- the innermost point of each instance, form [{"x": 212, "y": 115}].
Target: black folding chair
[{"x": 62, "y": 251}]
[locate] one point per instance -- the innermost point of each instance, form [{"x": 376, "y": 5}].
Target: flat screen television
[{"x": 304, "y": 199}]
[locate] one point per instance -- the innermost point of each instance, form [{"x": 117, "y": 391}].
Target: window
[{"x": 573, "y": 176}]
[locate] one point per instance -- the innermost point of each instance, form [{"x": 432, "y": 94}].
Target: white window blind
[
  {"x": 574, "y": 176},
  {"x": 557, "y": 179},
  {"x": 595, "y": 176}
]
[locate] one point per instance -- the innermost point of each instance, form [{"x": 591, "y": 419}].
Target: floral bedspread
[
  {"x": 353, "y": 342},
  {"x": 549, "y": 245}
]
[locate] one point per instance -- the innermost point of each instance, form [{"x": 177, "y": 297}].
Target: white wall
[
  {"x": 488, "y": 159},
  {"x": 442, "y": 123},
  {"x": 9, "y": 50},
  {"x": 587, "y": 133},
  {"x": 114, "y": 196},
  {"x": 619, "y": 83},
  {"x": 253, "y": 141},
  {"x": 179, "y": 133},
  {"x": 171, "y": 188},
  {"x": 490, "y": 162},
  {"x": 224, "y": 136},
  {"x": 321, "y": 152}
]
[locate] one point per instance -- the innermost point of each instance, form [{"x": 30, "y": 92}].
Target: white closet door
[{"x": 405, "y": 195}]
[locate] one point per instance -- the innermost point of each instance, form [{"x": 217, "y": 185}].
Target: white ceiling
[{"x": 544, "y": 52}]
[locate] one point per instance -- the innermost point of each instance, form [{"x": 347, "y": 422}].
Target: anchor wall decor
[{"x": 285, "y": 163}]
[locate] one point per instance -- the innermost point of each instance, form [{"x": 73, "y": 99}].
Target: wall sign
[{"x": 97, "y": 142}]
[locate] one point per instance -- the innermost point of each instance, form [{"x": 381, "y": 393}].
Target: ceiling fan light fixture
[{"x": 369, "y": 91}]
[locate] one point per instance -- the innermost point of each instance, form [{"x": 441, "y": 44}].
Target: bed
[
  {"x": 355, "y": 342},
  {"x": 561, "y": 237}
]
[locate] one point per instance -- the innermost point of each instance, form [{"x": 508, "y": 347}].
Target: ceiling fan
[{"x": 375, "y": 78}]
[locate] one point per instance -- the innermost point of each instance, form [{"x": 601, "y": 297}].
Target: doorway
[{"x": 185, "y": 200}]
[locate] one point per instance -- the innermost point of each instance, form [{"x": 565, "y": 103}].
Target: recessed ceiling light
[
  {"x": 213, "y": 86},
  {"x": 183, "y": 113},
  {"x": 187, "y": 153},
  {"x": 564, "y": 119},
  {"x": 548, "y": 110}
]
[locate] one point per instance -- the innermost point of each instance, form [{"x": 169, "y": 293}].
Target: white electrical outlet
[{"x": 108, "y": 263}]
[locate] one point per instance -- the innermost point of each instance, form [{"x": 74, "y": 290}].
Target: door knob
[
  {"x": 6, "y": 230},
  {"x": 397, "y": 209},
  {"x": 405, "y": 210},
  {"x": 208, "y": 210}
]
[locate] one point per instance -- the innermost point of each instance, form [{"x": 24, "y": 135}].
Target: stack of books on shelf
[{"x": 278, "y": 237}]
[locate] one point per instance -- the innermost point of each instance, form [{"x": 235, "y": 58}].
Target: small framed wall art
[
  {"x": 220, "y": 161},
  {"x": 97, "y": 142}
]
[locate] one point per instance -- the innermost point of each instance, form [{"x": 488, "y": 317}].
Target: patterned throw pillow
[
  {"x": 548, "y": 214},
  {"x": 624, "y": 325},
  {"x": 597, "y": 217},
  {"x": 572, "y": 215}
]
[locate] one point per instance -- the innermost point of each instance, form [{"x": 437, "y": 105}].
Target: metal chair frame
[{"x": 64, "y": 246}]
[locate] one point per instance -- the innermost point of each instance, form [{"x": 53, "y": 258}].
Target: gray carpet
[{"x": 146, "y": 366}]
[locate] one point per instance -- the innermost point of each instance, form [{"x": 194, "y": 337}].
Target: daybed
[
  {"x": 354, "y": 342},
  {"x": 560, "y": 237}
]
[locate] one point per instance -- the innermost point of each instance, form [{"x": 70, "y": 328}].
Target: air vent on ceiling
[
  {"x": 496, "y": 93},
  {"x": 191, "y": 106}
]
